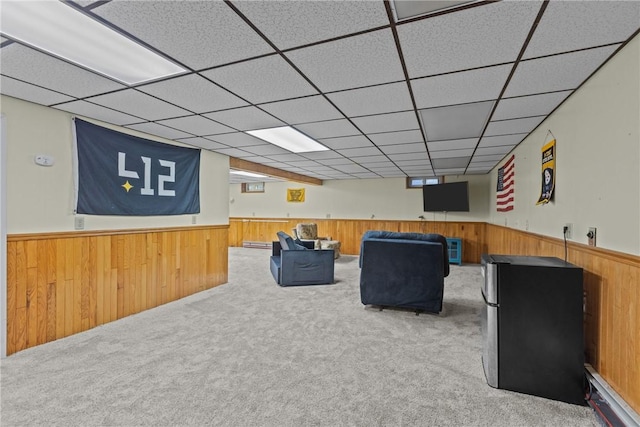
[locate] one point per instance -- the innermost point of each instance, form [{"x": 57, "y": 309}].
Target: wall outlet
[
  {"x": 194, "y": 219},
  {"x": 591, "y": 236},
  {"x": 328, "y": 216},
  {"x": 78, "y": 223},
  {"x": 568, "y": 230},
  {"x": 526, "y": 224}
]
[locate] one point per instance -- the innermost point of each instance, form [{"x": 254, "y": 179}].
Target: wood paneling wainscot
[
  {"x": 612, "y": 299},
  {"x": 59, "y": 284}
]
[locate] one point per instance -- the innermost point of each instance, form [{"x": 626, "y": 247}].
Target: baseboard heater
[
  {"x": 259, "y": 245},
  {"x": 620, "y": 408}
]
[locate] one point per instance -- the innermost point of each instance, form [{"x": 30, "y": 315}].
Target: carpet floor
[{"x": 250, "y": 353}]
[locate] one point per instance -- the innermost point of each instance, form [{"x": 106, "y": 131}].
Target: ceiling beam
[{"x": 248, "y": 166}]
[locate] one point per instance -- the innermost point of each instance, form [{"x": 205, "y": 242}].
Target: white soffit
[
  {"x": 456, "y": 121},
  {"x": 34, "y": 67},
  {"x": 260, "y": 80},
  {"x": 573, "y": 25},
  {"x": 388, "y": 98},
  {"x": 367, "y": 59},
  {"x": 455, "y": 144},
  {"x": 136, "y": 103},
  {"x": 559, "y": 72},
  {"x": 458, "y": 88},
  {"x": 295, "y": 23},
  {"x": 475, "y": 37},
  {"x": 400, "y": 137},
  {"x": 303, "y": 110},
  {"x": 158, "y": 130},
  {"x": 197, "y": 125},
  {"x": 527, "y": 106},
  {"x": 194, "y": 93},
  {"x": 328, "y": 129},
  {"x": 405, "y": 120},
  {"x": 201, "y": 26},
  {"x": 245, "y": 118},
  {"x": 29, "y": 92},
  {"x": 87, "y": 109},
  {"x": 506, "y": 127}
]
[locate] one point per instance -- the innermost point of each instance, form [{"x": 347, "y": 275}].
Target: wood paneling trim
[
  {"x": 246, "y": 165},
  {"x": 93, "y": 233},
  {"x": 60, "y": 284}
]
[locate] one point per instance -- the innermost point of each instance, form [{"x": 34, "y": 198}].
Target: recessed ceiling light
[
  {"x": 289, "y": 139},
  {"x": 250, "y": 174},
  {"x": 65, "y": 32}
]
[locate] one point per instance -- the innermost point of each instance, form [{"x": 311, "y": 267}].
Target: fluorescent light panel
[
  {"x": 250, "y": 174},
  {"x": 289, "y": 139},
  {"x": 67, "y": 33}
]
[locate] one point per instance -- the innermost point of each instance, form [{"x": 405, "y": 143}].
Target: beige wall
[
  {"x": 597, "y": 133},
  {"x": 40, "y": 199},
  {"x": 356, "y": 199}
]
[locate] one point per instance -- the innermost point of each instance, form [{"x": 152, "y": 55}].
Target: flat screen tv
[{"x": 447, "y": 197}]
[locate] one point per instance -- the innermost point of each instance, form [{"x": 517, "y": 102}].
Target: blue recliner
[
  {"x": 403, "y": 270},
  {"x": 294, "y": 264}
]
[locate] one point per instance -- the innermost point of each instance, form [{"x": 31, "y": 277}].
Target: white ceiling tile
[
  {"x": 369, "y": 159},
  {"x": 306, "y": 163},
  {"x": 351, "y": 168},
  {"x": 366, "y": 175},
  {"x": 558, "y": 72},
  {"x": 202, "y": 142},
  {"x": 454, "y": 144},
  {"x": 449, "y": 163},
  {"x": 319, "y": 169},
  {"x": 346, "y": 142},
  {"x": 238, "y": 139},
  {"x": 335, "y": 162},
  {"x": 387, "y": 98},
  {"x": 232, "y": 152},
  {"x": 507, "y": 127},
  {"x": 405, "y": 120},
  {"x": 458, "y": 88},
  {"x": 486, "y": 151},
  {"x": 379, "y": 165},
  {"x": 199, "y": 34},
  {"x": 404, "y": 148},
  {"x": 401, "y": 137},
  {"x": 527, "y": 106},
  {"x": 409, "y": 156},
  {"x": 408, "y": 9},
  {"x": 87, "y": 109},
  {"x": 289, "y": 157},
  {"x": 354, "y": 152},
  {"x": 29, "y": 92},
  {"x": 194, "y": 93},
  {"x": 262, "y": 80},
  {"x": 456, "y": 121},
  {"x": 492, "y": 34},
  {"x": 196, "y": 125},
  {"x": 477, "y": 171},
  {"x": 31, "y": 66},
  {"x": 158, "y": 130},
  {"x": 295, "y": 23},
  {"x": 488, "y": 158},
  {"x": 484, "y": 163},
  {"x": 492, "y": 141},
  {"x": 245, "y": 118},
  {"x": 451, "y": 153},
  {"x": 367, "y": 59},
  {"x": 415, "y": 162},
  {"x": 303, "y": 110},
  {"x": 138, "y": 104},
  {"x": 328, "y": 129},
  {"x": 264, "y": 149},
  {"x": 573, "y": 25},
  {"x": 320, "y": 155}
]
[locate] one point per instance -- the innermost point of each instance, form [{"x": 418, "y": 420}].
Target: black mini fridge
[{"x": 532, "y": 326}]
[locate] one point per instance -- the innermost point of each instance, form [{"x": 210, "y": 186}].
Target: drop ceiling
[{"x": 452, "y": 92}]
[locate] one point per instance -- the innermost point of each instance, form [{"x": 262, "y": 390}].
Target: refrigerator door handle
[{"x": 490, "y": 304}]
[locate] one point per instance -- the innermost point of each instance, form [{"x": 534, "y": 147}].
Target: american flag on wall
[{"x": 506, "y": 185}]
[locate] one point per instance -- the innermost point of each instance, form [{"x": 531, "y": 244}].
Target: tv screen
[{"x": 447, "y": 197}]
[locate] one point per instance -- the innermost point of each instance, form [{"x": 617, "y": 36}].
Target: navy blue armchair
[
  {"x": 295, "y": 264},
  {"x": 403, "y": 270}
]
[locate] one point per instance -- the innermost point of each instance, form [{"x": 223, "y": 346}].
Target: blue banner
[{"x": 120, "y": 174}]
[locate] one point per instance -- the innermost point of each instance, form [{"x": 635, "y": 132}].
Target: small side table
[{"x": 454, "y": 246}]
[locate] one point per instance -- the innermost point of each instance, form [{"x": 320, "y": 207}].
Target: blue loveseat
[
  {"x": 294, "y": 264},
  {"x": 404, "y": 270}
]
